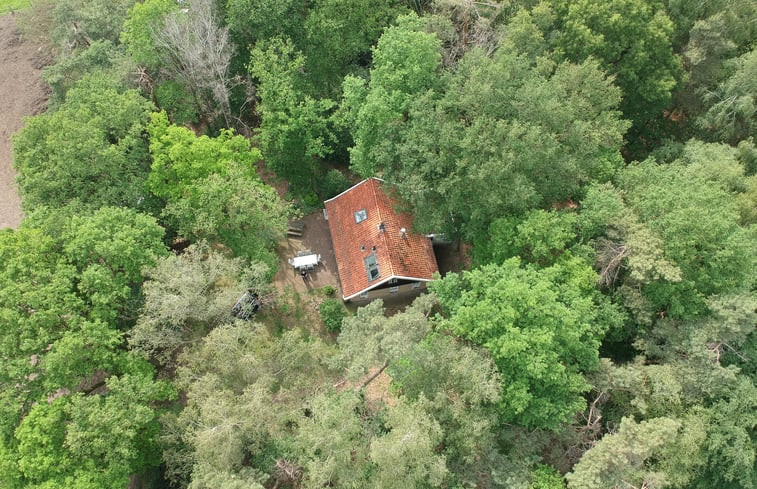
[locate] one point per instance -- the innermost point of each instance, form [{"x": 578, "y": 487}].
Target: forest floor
[{"x": 22, "y": 93}]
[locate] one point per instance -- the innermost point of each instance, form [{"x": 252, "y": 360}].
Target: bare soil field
[{"x": 22, "y": 93}]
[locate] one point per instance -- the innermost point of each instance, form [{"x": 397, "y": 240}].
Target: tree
[
  {"x": 252, "y": 21},
  {"x": 339, "y": 34},
  {"x": 90, "y": 151},
  {"x": 212, "y": 189},
  {"x": 109, "y": 249},
  {"x": 695, "y": 216},
  {"x": 294, "y": 128},
  {"x": 463, "y": 25},
  {"x": 709, "y": 35},
  {"x": 346, "y": 442},
  {"x": 186, "y": 295},
  {"x": 180, "y": 158},
  {"x": 141, "y": 29},
  {"x": 332, "y": 441},
  {"x": 458, "y": 386},
  {"x": 245, "y": 388},
  {"x": 502, "y": 123},
  {"x": 543, "y": 328},
  {"x": 632, "y": 40},
  {"x": 37, "y": 306},
  {"x": 369, "y": 339},
  {"x": 100, "y": 56},
  {"x": 406, "y": 63},
  {"x": 197, "y": 51},
  {"x": 77, "y": 23},
  {"x": 95, "y": 440},
  {"x": 619, "y": 460},
  {"x": 406, "y": 455},
  {"x": 237, "y": 210},
  {"x": 732, "y": 115},
  {"x": 538, "y": 237}
]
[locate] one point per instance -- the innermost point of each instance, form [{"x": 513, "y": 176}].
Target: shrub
[
  {"x": 329, "y": 290},
  {"x": 332, "y": 314},
  {"x": 311, "y": 200},
  {"x": 333, "y": 183}
]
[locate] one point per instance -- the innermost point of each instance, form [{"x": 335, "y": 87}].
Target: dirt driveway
[{"x": 22, "y": 93}]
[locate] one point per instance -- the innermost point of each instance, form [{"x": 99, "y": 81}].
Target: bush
[
  {"x": 332, "y": 314},
  {"x": 311, "y": 200},
  {"x": 333, "y": 183},
  {"x": 329, "y": 290}
]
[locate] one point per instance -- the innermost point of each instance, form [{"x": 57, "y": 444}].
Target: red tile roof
[{"x": 410, "y": 257}]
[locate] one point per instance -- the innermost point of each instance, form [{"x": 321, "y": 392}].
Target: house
[{"x": 376, "y": 254}]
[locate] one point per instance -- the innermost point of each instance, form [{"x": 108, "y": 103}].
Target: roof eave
[
  {"x": 381, "y": 282},
  {"x": 356, "y": 185}
]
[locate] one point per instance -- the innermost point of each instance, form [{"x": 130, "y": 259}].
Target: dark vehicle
[{"x": 246, "y": 306}]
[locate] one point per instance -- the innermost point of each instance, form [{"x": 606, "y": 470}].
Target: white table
[{"x": 307, "y": 261}]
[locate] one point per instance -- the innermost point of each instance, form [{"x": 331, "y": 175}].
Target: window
[
  {"x": 371, "y": 267},
  {"x": 416, "y": 285},
  {"x": 393, "y": 280},
  {"x": 361, "y": 216},
  {"x": 364, "y": 295},
  {"x": 394, "y": 290}
]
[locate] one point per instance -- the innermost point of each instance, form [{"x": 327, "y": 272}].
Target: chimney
[{"x": 403, "y": 233}]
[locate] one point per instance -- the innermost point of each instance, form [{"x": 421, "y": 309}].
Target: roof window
[
  {"x": 361, "y": 216},
  {"x": 371, "y": 267}
]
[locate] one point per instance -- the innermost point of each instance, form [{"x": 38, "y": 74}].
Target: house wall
[{"x": 402, "y": 290}]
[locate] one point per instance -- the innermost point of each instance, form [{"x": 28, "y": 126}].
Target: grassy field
[{"x": 10, "y": 5}]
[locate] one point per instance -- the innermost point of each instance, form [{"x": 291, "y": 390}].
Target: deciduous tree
[
  {"x": 543, "y": 328},
  {"x": 109, "y": 250},
  {"x": 180, "y": 158},
  {"x": 91, "y": 150},
  {"x": 632, "y": 40},
  {"x": 294, "y": 129}
]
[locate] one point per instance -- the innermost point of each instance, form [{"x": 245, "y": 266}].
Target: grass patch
[{"x": 7, "y": 6}]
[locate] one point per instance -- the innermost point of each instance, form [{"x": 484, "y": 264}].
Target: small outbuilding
[{"x": 376, "y": 254}]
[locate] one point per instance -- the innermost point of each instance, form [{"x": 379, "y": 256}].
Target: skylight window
[
  {"x": 361, "y": 216},
  {"x": 371, "y": 267}
]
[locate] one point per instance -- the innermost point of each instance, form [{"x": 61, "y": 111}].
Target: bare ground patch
[{"x": 22, "y": 93}]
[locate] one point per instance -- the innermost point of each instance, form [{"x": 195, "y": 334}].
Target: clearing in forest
[{"x": 22, "y": 93}]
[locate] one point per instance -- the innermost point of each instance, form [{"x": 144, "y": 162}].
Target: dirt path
[{"x": 22, "y": 93}]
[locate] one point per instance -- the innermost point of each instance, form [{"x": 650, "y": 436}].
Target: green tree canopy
[
  {"x": 94, "y": 440},
  {"x": 525, "y": 135},
  {"x": 186, "y": 295},
  {"x": 406, "y": 63},
  {"x": 236, "y": 209},
  {"x": 632, "y": 40},
  {"x": 294, "y": 128},
  {"x": 91, "y": 150},
  {"x": 79, "y": 22},
  {"x": 180, "y": 158},
  {"x": 339, "y": 33},
  {"x": 109, "y": 249},
  {"x": 732, "y": 115},
  {"x": 543, "y": 328},
  {"x": 619, "y": 459},
  {"x": 37, "y": 305},
  {"x": 140, "y": 27},
  {"x": 691, "y": 217}
]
